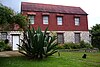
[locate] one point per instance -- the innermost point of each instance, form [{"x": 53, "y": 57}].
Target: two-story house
[{"x": 68, "y": 22}]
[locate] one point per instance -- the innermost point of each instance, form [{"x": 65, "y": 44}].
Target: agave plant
[{"x": 37, "y": 45}]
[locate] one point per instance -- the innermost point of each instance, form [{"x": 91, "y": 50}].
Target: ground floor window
[
  {"x": 77, "y": 37},
  {"x": 3, "y": 36},
  {"x": 60, "y": 38}
]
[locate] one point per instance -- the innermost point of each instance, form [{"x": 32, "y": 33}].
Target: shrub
[
  {"x": 85, "y": 45},
  {"x": 71, "y": 45},
  {"x": 37, "y": 45},
  {"x": 88, "y": 45},
  {"x": 76, "y": 46},
  {"x": 60, "y": 46},
  {"x": 82, "y": 44},
  {"x": 7, "y": 48},
  {"x": 67, "y": 46},
  {"x": 2, "y": 45}
]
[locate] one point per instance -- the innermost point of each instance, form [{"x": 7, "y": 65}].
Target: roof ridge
[{"x": 49, "y": 4}]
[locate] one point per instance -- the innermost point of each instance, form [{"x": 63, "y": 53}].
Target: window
[
  {"x": 59, "y": 20},
  {"x": 77, "y": 37},
  {"x": 45, "y": 19},
  {"x": 3, "y": 35},
  {"x": 77, "y": 21},
  {"x": 60, "y": 38},
  {"x": 31, "y": 19}
]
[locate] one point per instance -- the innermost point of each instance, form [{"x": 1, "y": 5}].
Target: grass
[{"x": 66, "y": 59}]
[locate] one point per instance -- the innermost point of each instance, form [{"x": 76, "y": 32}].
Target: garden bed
[{"x": 79, "y": 50}]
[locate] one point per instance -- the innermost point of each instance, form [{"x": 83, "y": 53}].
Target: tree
[
  {"x": 8, "y": 19},
  {"x": 20, "y": 20},
  {"x": 96, "y": 35}
]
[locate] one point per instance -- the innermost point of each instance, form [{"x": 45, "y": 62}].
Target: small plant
[
  {"x": 2, "y": 46},
  {"x": 67, "y": 46},
  {"x": 60, "y": 46},
  {"x": 37, "y": 45},
  {"x": 71, "y": 45},
  {"x": 7, "y": 48},
  {"x": 82, "y": 44},
  {"x": 85, "y": 45}
]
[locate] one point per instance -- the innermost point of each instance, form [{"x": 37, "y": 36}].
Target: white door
[{"x": 15, "y": 41}]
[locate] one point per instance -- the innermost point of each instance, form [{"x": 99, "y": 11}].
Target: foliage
[
  {"x": 60, "y": 46},
  {"x": 96, "y": 35},
  {"x": 8, "y": 19},
  {"x": 4, "y": 46},
  {"x": 37, "y": 44},
  {"x": 85, "y": 45},
  {"x": 20, "y": 20},
  {"x": 5, "y": 14},
  {"x": 71, "y": 45},
  {"x": 7, "y": 48}
]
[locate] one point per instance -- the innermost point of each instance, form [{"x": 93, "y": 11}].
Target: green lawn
[{"x": 67, "y": 59}]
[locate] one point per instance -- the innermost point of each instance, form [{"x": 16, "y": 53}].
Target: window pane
[
  {"x": 45, "y": 19},
  {"x": 31, "y": 19},
  {"x": 3, "y": 35},
  {"x": 60, "y": 38},
  {"x": 77, "y": 37},
  {"x": 59, "y": 20},
  {"x": 77, "y": 21}
]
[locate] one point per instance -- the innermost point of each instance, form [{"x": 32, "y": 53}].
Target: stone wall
[{"x": 70, "y": 37}]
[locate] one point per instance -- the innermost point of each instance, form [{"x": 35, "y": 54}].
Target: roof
[{"x": 26, "y": 6}]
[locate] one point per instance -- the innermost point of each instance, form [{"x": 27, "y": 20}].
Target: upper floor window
[
  {"x": 77, "y": 21},
  {"x": 31, "y": 19},
  {"x": 59, "y": 20},
  {"x": 45, "y": 19}
]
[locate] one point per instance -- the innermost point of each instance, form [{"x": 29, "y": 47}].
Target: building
[
  {"x": 13, "y": 37},
  {"x": 69, "y": 22}
]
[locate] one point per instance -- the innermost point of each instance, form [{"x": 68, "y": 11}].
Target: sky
[{"x": 89, "y": 6}]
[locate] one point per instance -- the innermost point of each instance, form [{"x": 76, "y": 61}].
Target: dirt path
[{"x": 9, "y": 53}]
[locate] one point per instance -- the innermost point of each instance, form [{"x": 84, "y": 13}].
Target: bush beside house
[
  {"x": 72, "y": 45},
  {"x": 4, "y": 46}
]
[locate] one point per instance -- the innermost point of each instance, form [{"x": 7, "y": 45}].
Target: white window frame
[
  {"x": 31, "y": 19},
  {"x": 45, "y": 19},
  {"x": 59, "y": 20},
  {"x": 77, "y": 21}
]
